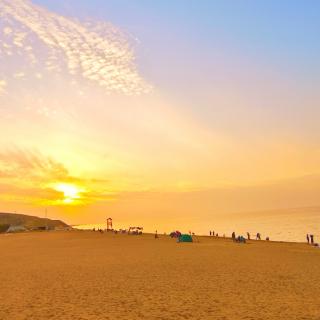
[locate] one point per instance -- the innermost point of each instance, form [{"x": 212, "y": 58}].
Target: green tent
[{"x": 185, "y": 238}]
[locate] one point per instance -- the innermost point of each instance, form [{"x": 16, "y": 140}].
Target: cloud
[
  {"x": 36, "y": 194},
  {"x": 28, "y": 176},
  {"x": 97, "y": 52},
  {"x": 19, "y": 75},
  {"x": 17, "y": 163},
  {"x": 3, "y": 85}
]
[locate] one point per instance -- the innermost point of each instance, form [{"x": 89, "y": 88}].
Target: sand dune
[{"x": 86, "y": 275}]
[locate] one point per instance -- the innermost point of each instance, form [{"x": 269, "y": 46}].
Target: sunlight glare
[{"x": 71, "y": 192}]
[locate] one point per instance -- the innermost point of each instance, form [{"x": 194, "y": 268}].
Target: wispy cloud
[
  {"x": 3, "y": 85},
  {"x": 31, "y": 165},
  {"x": 30, "y": 177},
  {"x": 99, "y": 53}
]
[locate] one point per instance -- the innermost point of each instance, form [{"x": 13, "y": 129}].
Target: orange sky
[{"x": 87, "y": 135}]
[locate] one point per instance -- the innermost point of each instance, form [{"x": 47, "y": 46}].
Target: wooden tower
[{"x": 109, "y": 224}]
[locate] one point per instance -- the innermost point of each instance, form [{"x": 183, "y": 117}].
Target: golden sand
[{"x": 86, "y": 275}]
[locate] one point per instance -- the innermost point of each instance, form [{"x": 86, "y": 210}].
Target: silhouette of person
[
  {"x": 311, "y": 238},
  {"x": 308, "y": 239},
  {"x": 210, "y": 233},
  {"x": 233, "y": 236},
  {"x": 248, "y": 235}
]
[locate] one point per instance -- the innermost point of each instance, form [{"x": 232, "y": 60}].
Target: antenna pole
[{"x": 46, "y": 214}]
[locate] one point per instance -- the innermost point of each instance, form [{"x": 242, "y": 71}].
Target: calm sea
[{"x": 285, "y": 225}]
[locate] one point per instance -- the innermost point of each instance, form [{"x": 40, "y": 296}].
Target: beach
[{"x": 88, "y": 275}]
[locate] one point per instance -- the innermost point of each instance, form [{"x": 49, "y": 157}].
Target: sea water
[{"x": 284, "y": 225}]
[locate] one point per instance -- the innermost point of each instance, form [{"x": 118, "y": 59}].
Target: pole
[{"x": 46, "y": 219}]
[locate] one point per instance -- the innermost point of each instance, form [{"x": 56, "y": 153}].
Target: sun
[{"x": 71, "y": 192}]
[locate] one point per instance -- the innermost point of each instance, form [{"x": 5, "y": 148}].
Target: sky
[{"x": 158, "y": 113}]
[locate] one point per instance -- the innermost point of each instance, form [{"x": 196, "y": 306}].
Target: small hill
[{"x": 29, "y": 222}]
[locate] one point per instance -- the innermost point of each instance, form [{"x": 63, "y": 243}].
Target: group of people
[
  {"x": 109, "y": 230},
  {"x": 215, "y": 234},
  {"x": 98, "y": 229},
  {"x": 310, "y": 239},
  {"x": 239, "y": 238}
]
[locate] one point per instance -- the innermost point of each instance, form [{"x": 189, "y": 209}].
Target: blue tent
[{"x": 185, "y": 238}]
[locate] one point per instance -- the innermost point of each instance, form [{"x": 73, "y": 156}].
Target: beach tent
[
  {"x": 16, "y": 229},
  {"x": 175, "y": 234},
  {"x": 185, "y": 238}
]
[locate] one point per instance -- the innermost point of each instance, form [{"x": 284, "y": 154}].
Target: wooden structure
[
  {"x": 135, "y": 230},
  {"x": 109, "y": 224}
]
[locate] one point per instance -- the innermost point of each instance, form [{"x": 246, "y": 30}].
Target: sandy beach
[{"x": 87, "y": 275}]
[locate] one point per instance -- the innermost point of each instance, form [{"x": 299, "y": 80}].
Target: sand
[{"x": 86, "y": 275}]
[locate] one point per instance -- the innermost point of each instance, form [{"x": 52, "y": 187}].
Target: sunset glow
[
  {"x": 159, "y": 159},
  {"x": 71, "y": 193},
  {"x": 107, "y": 110}
]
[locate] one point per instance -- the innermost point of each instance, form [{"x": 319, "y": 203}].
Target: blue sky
[
  {"x": 259, "y": 57},
  {"x": 278, "y": 22},
  {"x": 180, "y": 39}
]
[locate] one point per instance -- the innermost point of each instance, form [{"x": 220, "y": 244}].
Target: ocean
[{"x": 279, "y": 225}]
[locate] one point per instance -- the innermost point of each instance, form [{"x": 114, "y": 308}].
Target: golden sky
[{"x": 92, "y": 126}]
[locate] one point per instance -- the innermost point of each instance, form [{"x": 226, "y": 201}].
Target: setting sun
[
  {"x": 70, "y": 192},
  {"x": 163, "y": 152}
]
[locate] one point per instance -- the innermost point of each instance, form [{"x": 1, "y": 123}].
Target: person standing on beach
[
  {"x": 308, "y": 239},
  {"x": 311, "y": 239},
  {"x": 210, "y": 233},
  {"x": 248, "y": 235},
  {"x": 258, "y": 237},
  {"x": 233, "y": 236}
]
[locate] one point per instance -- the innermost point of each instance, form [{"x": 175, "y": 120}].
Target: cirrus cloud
[{"x": 96, "y": 52}]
